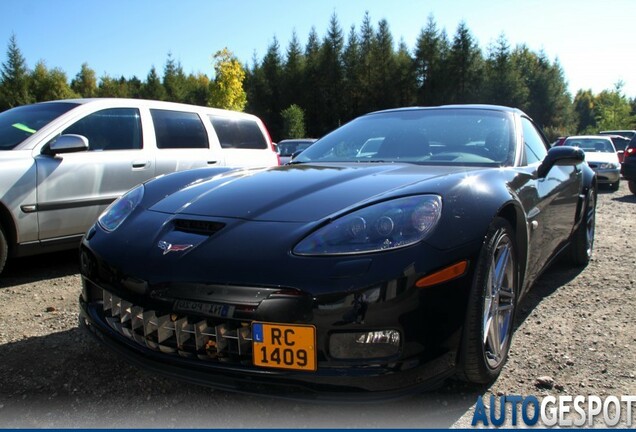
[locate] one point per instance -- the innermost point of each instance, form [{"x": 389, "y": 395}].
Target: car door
[
  {"x": 551, "y": 201},
  {"x": 74, "y": 188}
]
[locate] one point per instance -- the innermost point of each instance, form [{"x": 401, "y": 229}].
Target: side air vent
[{"x": 197, "y": 226}]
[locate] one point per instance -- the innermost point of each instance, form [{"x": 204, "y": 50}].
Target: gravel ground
[{"x": 575, "y": 335}]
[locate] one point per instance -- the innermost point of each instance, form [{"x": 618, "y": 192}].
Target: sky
[{"x": 593, "y": 40}]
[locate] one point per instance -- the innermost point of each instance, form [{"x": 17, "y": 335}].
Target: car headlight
[
  {"x": 608, "y": 165},
  {"x": 388, "y": 225},
  {"x": 120, "y": 209}
]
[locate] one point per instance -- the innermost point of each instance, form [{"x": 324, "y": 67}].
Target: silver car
[
  {"x": 601, "y": 156},
  {"x": 63, "y": 162}
]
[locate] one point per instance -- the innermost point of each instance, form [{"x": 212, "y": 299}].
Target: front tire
[
  {"x": 632, "y": 186},
  {"x": 582, "y": 244},
  {"x": 491, "y": 307}
]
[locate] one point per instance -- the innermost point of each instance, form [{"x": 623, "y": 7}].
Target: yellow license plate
[{"x": 284, "y": 346}]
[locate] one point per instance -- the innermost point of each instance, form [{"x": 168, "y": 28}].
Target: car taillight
[
  {"x": 631, "y": 151},
  {"x": 272, "y": 147}
]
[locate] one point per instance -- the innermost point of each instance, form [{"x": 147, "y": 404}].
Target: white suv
[{"x": 63, "y": 162}]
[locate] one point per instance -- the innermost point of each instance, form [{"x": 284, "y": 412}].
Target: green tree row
[
  {"x": 337, "y": 77},
  {"x": 314, "y": 88},
  {"x": 19, "y": 85}
]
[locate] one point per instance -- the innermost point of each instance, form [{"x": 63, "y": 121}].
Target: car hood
[
  {"x": 601, "y": 157},
  {"x": 301, "y": 193}
]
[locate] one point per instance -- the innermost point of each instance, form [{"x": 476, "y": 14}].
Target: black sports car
[{"x": 348, "y": 271}]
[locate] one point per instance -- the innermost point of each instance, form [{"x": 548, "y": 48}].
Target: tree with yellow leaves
[{"x": 226, "y": 90}]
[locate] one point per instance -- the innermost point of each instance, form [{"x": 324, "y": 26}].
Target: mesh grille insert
[
  {"x": 193, "y": 337},
  {"x": 198, "y": 226}
]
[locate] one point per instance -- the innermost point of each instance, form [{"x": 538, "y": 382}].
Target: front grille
[{"x": 177, "y": 334}]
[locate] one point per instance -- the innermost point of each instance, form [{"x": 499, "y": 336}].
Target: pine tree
[
  {"x": 174, "y": 80},
  {"x": 331, "y": 77},
  {"x": 503, "y": 82},
  {"x": 312, "y": 98},
  {"x": 14, "y": 78},
  {"x": 153, "y": 88},
  {"x": 404, "y": 77},
  {"x": 427, "y": 61},
  {"x": 293, "y": 70},
  {"x": 352, "y": 72},
  {"x": 272, "y": 71},
  {"x": 383, "y": 86},
  {"x": 367, "y": 45},
  {"x": 465, "y": 66}
]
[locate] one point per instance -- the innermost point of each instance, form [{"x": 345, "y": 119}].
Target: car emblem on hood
[{"x": 169, "y": 247}]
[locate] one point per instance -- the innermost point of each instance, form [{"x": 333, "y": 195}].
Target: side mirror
[
  {"x": 69, "y": 143},
  {"x": 560, "y": 155}
]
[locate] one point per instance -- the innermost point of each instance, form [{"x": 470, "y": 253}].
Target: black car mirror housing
[{"x": 560, "y": 155}]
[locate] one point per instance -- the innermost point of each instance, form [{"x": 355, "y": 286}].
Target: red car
[{"x": 628, "y": 168}]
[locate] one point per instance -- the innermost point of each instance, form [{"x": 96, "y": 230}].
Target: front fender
[{"x": 470, "y": 205}]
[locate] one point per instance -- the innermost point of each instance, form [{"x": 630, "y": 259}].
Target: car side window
[
  {"x": 179, "y": 129},
  {"x": 238, "y": 133},
  {"x": 535, "y": 146},
  {"x": 110, "y": 129}
]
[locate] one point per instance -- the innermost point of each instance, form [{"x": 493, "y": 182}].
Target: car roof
[
  {"x": 151, "y": 104},
  {"x": 457, "y": 106},
  {"x": 596, "y": 137}
]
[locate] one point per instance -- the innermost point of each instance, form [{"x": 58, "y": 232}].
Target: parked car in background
[
  {"x": 620, "y": 144},
  {"x": 288, "y": 147},
  {"x": 627, "y": 133},
  {"x": 601, "y": 156},
  {"x": 342, "y": 273},
  {"x": 62, "y": 163},
  {"x": 628, "y": 168},
  {"x": 559, "y": 141}
]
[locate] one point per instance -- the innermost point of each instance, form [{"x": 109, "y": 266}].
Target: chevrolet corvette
[{"x": 371, "y": 273}]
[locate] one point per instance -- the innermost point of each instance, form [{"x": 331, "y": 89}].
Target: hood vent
[{"x": 197, "y": 226}]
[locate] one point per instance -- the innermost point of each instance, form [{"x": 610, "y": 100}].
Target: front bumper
[
  {"x": 383, "y": 380},
  {"x": 607, "y": 176},
  {"x": 138, "y": 322}
]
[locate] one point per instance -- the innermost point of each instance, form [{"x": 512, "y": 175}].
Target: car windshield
[
  {"x": 446, "y": 136},
  {"x": 591, "y": 145},
  {"x": 19, "y": 123}
]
